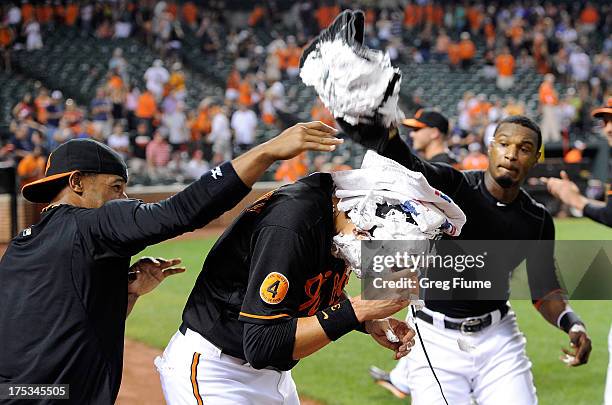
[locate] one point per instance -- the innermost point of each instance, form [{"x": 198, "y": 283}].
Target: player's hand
[
  {"x": 148, "y": 272},
  {"x": 367, "y": 310},
  {"x": 580, "y": 347},
  {"x": 380, "y": 329},
  {"x": 315, "y": 136},
  {"x": 371, "y": 136},
  {"x": 565, "y": 190}
]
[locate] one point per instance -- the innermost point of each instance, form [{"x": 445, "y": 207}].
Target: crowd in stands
[{"x": 165, "y": 141}]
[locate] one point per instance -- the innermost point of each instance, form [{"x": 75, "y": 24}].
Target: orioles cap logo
[{"x": 274, "y": 288}]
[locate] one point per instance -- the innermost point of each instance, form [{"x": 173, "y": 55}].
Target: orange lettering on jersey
[
  {"x": 274, "y": 288},
  {"x": 312, "y": 289},
  {"x": 340, "y": 281}
]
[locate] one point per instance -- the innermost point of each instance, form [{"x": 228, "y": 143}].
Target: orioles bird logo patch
[{"x": 274, "y": 288}]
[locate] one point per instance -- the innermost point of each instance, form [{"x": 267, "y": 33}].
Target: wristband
[
  {"x": 362, "y": 328},
  {"x": 338, "y": 320},
  {"x": 567, "y": 319}
]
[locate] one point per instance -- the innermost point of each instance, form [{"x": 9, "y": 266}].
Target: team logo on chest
[{"x": 274, "y": 288}]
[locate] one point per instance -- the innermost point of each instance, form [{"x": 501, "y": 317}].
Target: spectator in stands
[
  {"x": 14, "y": 17},
  {"x": 220, "y": 135},
  {"x": 454, "y": 56},
  {"x": 232, "y": 85},
  {"x": 158, "y": 155},
  {"x": 175, "y": 169},
  {"x": 443, "y": 42},
  {"x": 176, "y": 82},
  {"x": 32, "y": 166},
  {"x": 22, "y": 141},
  {"x": 244, "y": 124},
  {"x": 580, "y": 64},
  {"x": 548, "y": 104},
  {"x": 196, "y": 166},
  {"x": 489, "y": 70},
  {"x": 589, "y": 18},
  {"x": 32, "y": 32},
  {"x": 467, "y": 50},
  {"x": 293, "y": 54},
  {"x": 123, "y": 24},
  {"x": 156, "y": 77},
  {"x": 176, "y": 124},
  {"x": 72, "y": 13},
  {"x": 72, "y": 116},
  {"x": 190, "y": 14},
  {"x": 7, "y": 36},
  {"x": 119, "y": 64},
  {"x": 139, "y": 139},
  {"x": 101, "y": 109},
  {"x": 54, "y": 112},
  {"x": 119, "y": 141},
  {"x": 146, "y": 108},
  {"x": 24, "y": 108},
  {"x": 131, "y": 103},
  {"x": 505, "y": 69}
]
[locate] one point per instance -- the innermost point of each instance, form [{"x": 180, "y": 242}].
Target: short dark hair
[{"x": 523, "y": 121}]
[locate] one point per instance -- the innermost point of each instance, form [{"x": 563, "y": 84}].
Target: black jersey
[
  {"x": 488, "y": 219},
  {"x": 445, "y": 157},
  {"x": 603, "y": 215},
  {"x": 272, "y": 264},
  {"x": 63, "y": 295}
]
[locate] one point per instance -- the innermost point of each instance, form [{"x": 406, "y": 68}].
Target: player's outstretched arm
[
  {"x": 281, "y": 345},
  {"x": 556, "y": 310},
  {"x": 314, "y": 136},
  {"x": 568, "y": 193}
]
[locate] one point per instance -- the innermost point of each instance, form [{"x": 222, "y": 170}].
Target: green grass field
[{"x": 338, "y": 373}]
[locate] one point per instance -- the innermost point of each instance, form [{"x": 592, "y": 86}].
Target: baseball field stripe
[
  {"x": 194, "y": 377},
  {"x": 263, "y": 316}
]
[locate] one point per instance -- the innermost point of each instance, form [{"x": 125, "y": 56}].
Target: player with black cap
[
  {"x": 65, "y": 292},
  {"x": 429, "y": 133},
  {"x": 568, "y": 192}
]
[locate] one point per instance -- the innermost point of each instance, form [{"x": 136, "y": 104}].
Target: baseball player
[
  {"x": 429, "y": 133},
  {"x": 497, "y": 208},
  {"x": 271, "y": 293},
  {"x": 567, "y": 191},
  {"x": 65, "y": 292},
  {"x": 475, "y": 346}
]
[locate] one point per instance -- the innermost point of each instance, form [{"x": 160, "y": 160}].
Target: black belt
[{"x": 468, "y": 325}]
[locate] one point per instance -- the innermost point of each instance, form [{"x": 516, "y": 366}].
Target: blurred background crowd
[{"x": 178, "y": 86}]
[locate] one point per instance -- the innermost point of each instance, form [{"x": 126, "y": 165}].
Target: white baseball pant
[
  {"x": 608, "y": 394},
  {"x": 496, "y": 371},
  {"x": 194, "y": 371}
]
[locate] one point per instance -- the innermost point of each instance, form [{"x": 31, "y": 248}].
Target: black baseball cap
[
  {"x": 428, "y": 119},
  {"x": 76, "y": 155}
]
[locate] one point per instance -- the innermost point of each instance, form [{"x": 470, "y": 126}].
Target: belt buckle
[{"x": 471, "y": 325}]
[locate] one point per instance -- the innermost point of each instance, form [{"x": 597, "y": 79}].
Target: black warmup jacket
[{"x": 63, "y": 285}]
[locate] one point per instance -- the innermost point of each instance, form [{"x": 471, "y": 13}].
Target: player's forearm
[
  {"x": 599, "y": 211},
  {"x": 550, "y": 309},
  {"x": 309, "y": 337},
  {"x": 557, "y": 311},
  {"x": 251, "y": 165}
]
